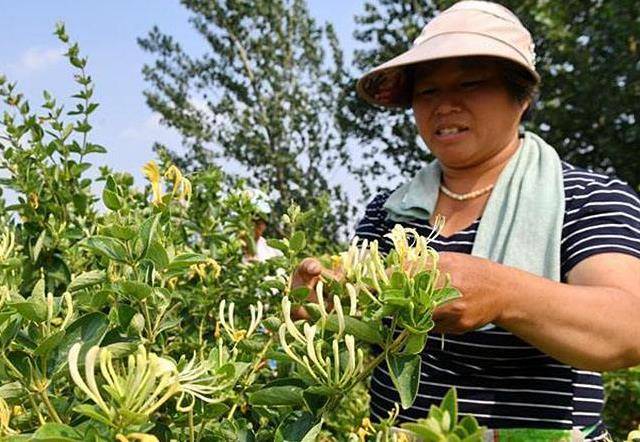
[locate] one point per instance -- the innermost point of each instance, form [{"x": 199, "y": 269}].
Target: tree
[
  {"x": 589, "y": 102},
  {"x": 264, "y": 95},
  {"x": 386, "y": 136}
]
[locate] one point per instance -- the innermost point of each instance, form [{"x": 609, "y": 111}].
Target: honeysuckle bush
[
  {"x": 140, "y": 320},
  {"x": 134, "y": 315}
]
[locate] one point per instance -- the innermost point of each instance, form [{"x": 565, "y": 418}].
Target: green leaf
[
  {"x": 50, "y": 343},
  {"x": 88, "y": 329},
  {"x": 87, "y": 279},
  {"x": 33, "y": 310},
  {"x": 422, "y": 430},
  {"x": 147, "y": 232},
  {"x": 185, "y": 260},
  {"x": 296, "y": 426},
  {"x": 92, "y": 412},
  {"x": 404, "y": 371},
  {"x": 52, "y": 432},
  {"x": 272, "y": 324},
  {"x": 470, "y": 424},
  {"x": 121, "y": 232},
  {"x": 360, "y": 330},
  {"x": 300, "y": 294},
  {"x": 134, "y": 289},
  {"x": 450, "y": 404},
  {"x": 288, "y": 395},
  {"x": 415, "y": 344},
  {"x": 278, "y": 244},
  {"x": 37, "y": 248},
  {"x": 93, "y": 300},
  {"x": 94, "y": 148},
  {"x": 316, "y": 398},
  {"x": 111, "y": 199},
  {"x": 158, "y": 255},
  {"x": 109, "y": 247},
  {"x": 312, "y": 434},
  {"x": 446, "y": 295},
  {"x": 11, "y": 390},
  {"x": 297, "y": 242},
  {"x": 38, "y": 291}
]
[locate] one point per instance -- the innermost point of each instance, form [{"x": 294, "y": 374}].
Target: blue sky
[{"x": 107, "y": 32}]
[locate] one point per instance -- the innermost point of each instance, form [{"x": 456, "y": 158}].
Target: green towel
[{"x": 521, "y": 225}]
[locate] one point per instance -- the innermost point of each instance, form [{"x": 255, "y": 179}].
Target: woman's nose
[{"x": 447, "y": 105}]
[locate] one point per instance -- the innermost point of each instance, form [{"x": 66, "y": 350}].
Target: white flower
[
  {"x": 226, "y": 319},
  {"x": 143, "y": 384}
]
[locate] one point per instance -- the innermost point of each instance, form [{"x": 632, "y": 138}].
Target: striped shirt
[{"x": 502, "y": 380}]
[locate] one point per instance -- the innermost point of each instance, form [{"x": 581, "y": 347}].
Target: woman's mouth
[{"x": 451, "y": 133}]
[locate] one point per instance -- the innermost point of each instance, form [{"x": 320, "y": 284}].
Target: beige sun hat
[{"x": 468, "y": 28}]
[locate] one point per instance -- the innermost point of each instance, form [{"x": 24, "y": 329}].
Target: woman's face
[{"x": 463, "y": 110}]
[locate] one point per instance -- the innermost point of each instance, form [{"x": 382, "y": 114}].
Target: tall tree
[
  {"x": 264, "y": 95},
  {"x": 589, "y": 105}
]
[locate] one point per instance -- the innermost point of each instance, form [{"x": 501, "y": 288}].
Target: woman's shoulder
[
  {"x": 584, "y": 187},
  {"x": 602, "y": 215}
]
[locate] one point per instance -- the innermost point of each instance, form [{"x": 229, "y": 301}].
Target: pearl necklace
[{"x": 465, "y": 196}]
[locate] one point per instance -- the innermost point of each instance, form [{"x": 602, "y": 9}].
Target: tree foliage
[
  {"x": 264, "y": 94},
  {"x": 587, "y": 54}
]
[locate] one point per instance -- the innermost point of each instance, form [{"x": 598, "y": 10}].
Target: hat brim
[{"x": 388, "y": 85}]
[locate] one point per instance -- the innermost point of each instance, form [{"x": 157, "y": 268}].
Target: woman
[{"x": 545, "y": 254}]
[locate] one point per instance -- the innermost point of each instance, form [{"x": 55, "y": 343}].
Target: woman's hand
[
  {"x": 308, "y": 273},
  {"x": 479, "y": 305}
]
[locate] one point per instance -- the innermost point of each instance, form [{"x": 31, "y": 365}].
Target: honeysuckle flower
[
  {"x": 201, "y": 270},
  {"x": 5, "y": 418},
  {"x": 353, "y": 299},
  {"x": 7, "y": 244},
  {"x": 365, "y": 429},
  {"x": 152, "y": 172},
  {"x": 175, "y": 176},
  {"x": 337, "y": 305},
  {"x": 181, "y": 185},
  {"x": 325, "y": 369},
  {"x": 320, "y": 295},
  {"x": 136, "y": 437},
  {"x": 227, "y": 321},
  {"x": 143, "y": 384},
  {"x": 288, "y": 323}
]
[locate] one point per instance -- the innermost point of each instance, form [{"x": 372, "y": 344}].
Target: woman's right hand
[{"x": 308, "y": 273}]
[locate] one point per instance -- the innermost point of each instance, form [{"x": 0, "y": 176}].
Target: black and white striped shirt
[{"x": 500, "y": 379}]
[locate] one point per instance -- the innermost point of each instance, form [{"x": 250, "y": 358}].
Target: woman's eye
[
  {"x": 471, "y": 84},
  {"x": 428, "y": 91}
]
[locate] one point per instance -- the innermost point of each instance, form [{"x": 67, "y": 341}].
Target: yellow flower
[
  {"x": 172, "y": 282},
  {"x": 5, "y": 417},
  {"x": 366, "y": 429},
  {"x": 136, "y": 437},
  {"x": 200, "y": 269},
  {"x": 181, "y": 185},
  {"x": 152, "y": 172},
  {"x": 34, "y": 201}
]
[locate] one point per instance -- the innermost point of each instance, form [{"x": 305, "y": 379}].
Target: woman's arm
[{"x": 590, "y": 323}]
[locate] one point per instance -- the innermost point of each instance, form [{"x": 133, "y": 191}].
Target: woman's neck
[{"x": 468, "y": 179}]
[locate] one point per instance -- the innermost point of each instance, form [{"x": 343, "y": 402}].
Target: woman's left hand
[{"x": 479, "y": 305}]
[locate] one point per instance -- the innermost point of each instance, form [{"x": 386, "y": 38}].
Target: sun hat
[{"x": 468, "y": 28}]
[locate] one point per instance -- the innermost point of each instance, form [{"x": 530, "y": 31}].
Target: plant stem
[
  {"x": 397, "y": 343},
  {"x": 50, "y": 408},
  {"x": 192, "y": 429},
  {"x": 233, "y": 410},
  {"x": 37, "y": 410}
]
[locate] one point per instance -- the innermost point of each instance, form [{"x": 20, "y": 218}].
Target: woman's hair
[{"x": 520, "y": 85}]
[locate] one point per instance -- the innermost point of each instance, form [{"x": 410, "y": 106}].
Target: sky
[{"x": 107, "y": 31}]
